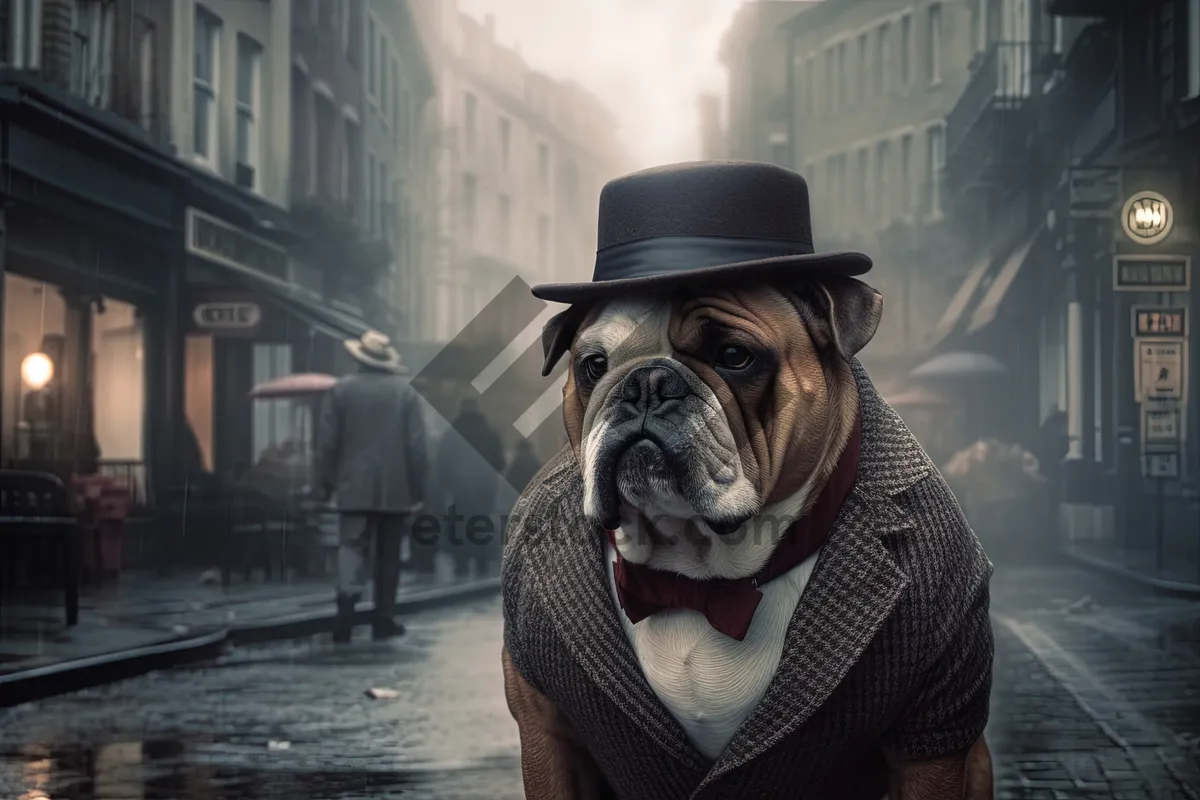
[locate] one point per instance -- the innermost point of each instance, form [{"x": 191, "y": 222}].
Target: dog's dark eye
[
  {"x": 595, "y": 367},
  {"x": 734, "y": 357}
]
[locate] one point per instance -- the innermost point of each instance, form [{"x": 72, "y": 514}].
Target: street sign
[
  {"x": 1147, "y": 218},
  {"x": 1164, "y": 465},
  {"x": 1161, "y": 370},
  {"x": 1161, "y": 425},
  {"x": 1159, "y": 321},
  {"x": 1152, "y": 273},
  {"x": 226, "y": 316},
  {"x": 1094, "y": 192}
]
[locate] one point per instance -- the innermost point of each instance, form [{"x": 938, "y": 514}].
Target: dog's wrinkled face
[{"x": 706, "y": 408}]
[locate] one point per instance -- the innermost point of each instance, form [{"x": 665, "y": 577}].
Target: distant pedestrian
[
  {"x": 524, "y": 466},
  {"x": 470, "y": 463},
  {"x": 372, "y": 459}
]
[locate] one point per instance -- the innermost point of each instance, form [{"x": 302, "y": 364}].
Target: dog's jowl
[{"x": 743, "y": 577}]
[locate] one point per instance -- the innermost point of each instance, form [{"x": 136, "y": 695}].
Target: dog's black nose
[{"x": 650, "y": 386}]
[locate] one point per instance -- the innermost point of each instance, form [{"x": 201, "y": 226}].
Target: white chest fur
[{"x": 709, "y": 682}]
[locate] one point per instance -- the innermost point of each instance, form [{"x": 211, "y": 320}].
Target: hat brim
[
  {"x": 815, "y": 265},
  {"x": 392, "y": 362}
]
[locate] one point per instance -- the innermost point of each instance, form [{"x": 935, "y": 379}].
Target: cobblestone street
[{"x": 1095, "y": 697}]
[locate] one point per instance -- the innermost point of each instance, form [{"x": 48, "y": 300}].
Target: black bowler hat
[{"x": 703, "y": 221}]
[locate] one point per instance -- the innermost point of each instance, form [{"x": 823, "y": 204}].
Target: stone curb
[
  {"x": 1161, "y": 585},
  {"x": 38, "y": 683}
]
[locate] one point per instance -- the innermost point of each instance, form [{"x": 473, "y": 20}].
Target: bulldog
[{"x": 730, "y": 584}]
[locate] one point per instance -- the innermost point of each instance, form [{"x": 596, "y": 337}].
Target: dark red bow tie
[{"x": 729, "y": 605}]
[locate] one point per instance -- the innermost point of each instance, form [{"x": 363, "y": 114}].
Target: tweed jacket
[{"x": 890, "y": 645}]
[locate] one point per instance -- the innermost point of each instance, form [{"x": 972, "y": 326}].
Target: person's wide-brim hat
[
  {"x": 704, "y": 222},
  {"x": 375, "y": 349}
]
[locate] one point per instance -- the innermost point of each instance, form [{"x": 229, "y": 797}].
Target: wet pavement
[{"x": 1096, "y": 696}]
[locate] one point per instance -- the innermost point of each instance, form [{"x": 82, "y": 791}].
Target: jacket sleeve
[
  {"x": 948, "y": 707},
  {"x": 328, "y": 440},
  {"x": 416, "y": 448}
]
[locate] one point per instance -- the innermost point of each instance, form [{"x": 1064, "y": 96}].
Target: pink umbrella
[{"x": 304, "y": 384}]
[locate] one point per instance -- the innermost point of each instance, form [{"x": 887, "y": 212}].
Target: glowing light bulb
[{"x": 37, "y": 370}]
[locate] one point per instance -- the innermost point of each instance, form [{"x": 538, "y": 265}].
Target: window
[
  {"x": 937, "y": 160},
  {"x": 883, "y": 60},
  {"x": 274, "y": 421},
  {"x": 864, "y": 70},
  {"x": 385, "y": 93},
  {"x": 326, "y": 146},
  {"x": 505, "y": 142},
  {"x": 1056, "y": 33},
  {"x": 25, "y": 33},
  {"x": 1193, "y": 48},
  {"x": 372, "y": 194},
  {"x": 469, "y": 189},
  {"x": 843, "y": 75},
  {"x": 906, "y": 51},
  {"x": 91, "y": 50},
  {"x": 327, "y": 14},
  {"x": 385, "y": 201},
  {"x": 372, "y": 59},
  {"x": 883, "y": 172},
  {"x": 906, "y": 174},
  {"x": 543, "y": 244},
  {"x": 812, "y": 84},
  {"x": 344, "y": 22},
  {"x": 862, "y": 187},
  {"x": 397, "y": 107},
  {"x": 935, "y": 43},
  {"x": 352, "y": 166},
  {"x": 146, "y": 76},
  {"x": 830, "y": 81},
  {"x": 206, "y": 77},
  {"x": 504, "y": 223},
  {"x": 543, "y": 165},
  {"x": 470, "y": 108},
  {"x": 249, "y": 93}
]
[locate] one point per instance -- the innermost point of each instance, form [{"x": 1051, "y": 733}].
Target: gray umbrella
[{"x": 960, "y": 364}]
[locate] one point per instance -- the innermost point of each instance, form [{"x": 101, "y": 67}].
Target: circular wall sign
[{"x": 1147, "y": 217}]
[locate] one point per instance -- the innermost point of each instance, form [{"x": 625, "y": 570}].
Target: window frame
[
  {"x": 935, "y": 34},
  {"x": 251, "y": 110},
  {"x": 210, "y": 86},
  {"x": 147, "y": 55}
]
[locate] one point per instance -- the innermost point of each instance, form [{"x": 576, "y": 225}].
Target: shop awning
[
  {"x": 306, "y": 309},
  {"x": 989, "y": 306},
  {"x": 966, "y": 293}
]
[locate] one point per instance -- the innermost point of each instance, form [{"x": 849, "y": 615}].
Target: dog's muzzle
[{"x": 656, "y": 434}]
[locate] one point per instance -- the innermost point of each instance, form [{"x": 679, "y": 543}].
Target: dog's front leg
[
  {"x": 962, "y": 777},
  {"x": 554, "y": 763}
]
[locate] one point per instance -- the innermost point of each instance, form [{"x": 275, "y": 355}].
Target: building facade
[
  {"x": 871, "y": 86},
  {"x": 398, "y": 83},
  {"x": 521, "y": 159},
  {"x": 754, "y": 52}
]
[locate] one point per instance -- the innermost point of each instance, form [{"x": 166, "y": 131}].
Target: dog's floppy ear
[
  {"x": 844, "y": 313},
  {"x": 557, "y": 335}
]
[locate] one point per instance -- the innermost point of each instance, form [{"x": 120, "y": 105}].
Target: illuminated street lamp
[
  {"x": 1147, "y": 218},
  {"x": 37, "y": 370}
]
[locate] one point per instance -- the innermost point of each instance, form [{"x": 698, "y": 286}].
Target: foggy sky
[{"x": 647, "y": 60}]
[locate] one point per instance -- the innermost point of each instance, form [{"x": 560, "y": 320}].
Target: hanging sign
[
  {"x": 1162, "y": 465},
  {"x": 226, "y": 316},
  {"x": 1159, "y": 321},
  {"x": 1161, "y": 425},
  {"x": 1152, "y": 273},
  {"x": 1147, "y": 218},
  {"x": 1161, "y": 370}
]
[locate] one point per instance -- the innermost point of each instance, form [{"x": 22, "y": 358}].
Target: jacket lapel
[
  {"x": 573, "y": 573},
  {"x": 853, "y": 589}
]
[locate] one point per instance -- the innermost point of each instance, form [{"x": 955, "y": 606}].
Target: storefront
[
  {"x": 87, "y": 255},
  {"x": 252, "y": 314}
]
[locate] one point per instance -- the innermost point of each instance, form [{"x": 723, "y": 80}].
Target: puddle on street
[{"x": 179, "y": 770}]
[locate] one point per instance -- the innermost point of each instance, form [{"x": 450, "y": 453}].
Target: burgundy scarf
[{"x": 730, "y": 604}]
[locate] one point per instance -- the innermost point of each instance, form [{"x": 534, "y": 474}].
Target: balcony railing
[{"x": 1003, "y": 78}]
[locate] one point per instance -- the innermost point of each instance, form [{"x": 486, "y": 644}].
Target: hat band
[{"x": 666, "y": 254}]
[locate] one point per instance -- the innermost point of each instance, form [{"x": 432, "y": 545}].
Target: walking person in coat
[
  {"x": 470, "y": 463},
  {"x": 372, "y": 456},
  {"x": 524, "y": 466}
]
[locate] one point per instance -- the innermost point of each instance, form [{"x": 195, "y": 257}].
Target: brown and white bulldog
[{"x": 703, "y": 424}]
